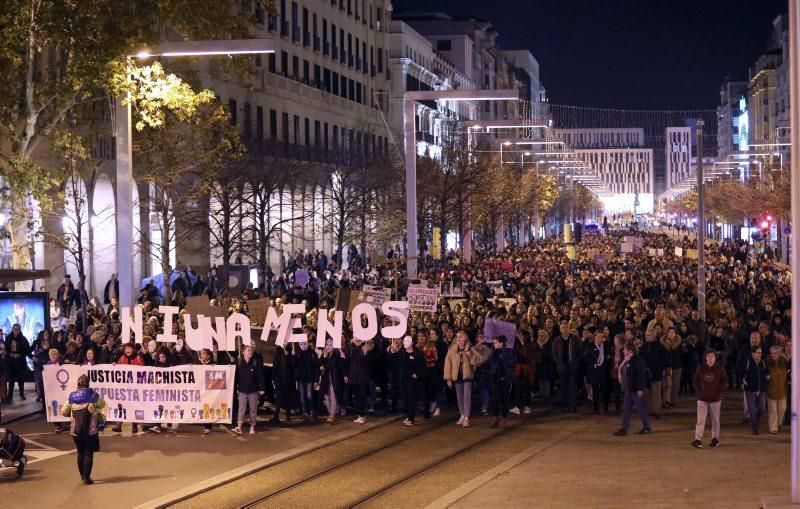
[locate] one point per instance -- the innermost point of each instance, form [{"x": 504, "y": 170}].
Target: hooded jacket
[{"x": 83, "y": 408}]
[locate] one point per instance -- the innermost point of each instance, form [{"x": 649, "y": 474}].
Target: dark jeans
[
  {"x": 86, "y": 446},
  {"x": 600, "y": 392},
  {"x": 631, "y": 400},
  {"x": 756, "y": 407},
  {"x": 411, "y": 389},
  {"x": 522, "y": 392},
  {"x": 360, "y": 391},
  {"x": 569, "y": 389},
  {"x": 616, "y": 394},
  {"x": 501, "y": 392}
]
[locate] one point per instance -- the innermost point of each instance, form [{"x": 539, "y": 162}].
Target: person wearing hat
[{"x": 84, "y": 408}]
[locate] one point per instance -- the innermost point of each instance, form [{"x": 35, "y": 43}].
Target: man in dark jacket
[
  {"x": 502, "y": 366},
  {"x": 358, "y": 375},
  {"x": 17, "y": 348},
  {"x": 710, "y": 382},
  {"x": 111, "y": 290},
  {"x": 306, "y": 374},
  {"x": 567, "y": 353},
  {"x": 655, "y": 359},
  {"x": 753, "y": 375},
  {"x": 598, "y": 359},
  {"x": 633, "y": 382},
  {"x": 250, "y": 377}
]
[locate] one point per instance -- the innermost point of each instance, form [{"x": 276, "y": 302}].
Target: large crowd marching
[{"x": 616, "y": 332}]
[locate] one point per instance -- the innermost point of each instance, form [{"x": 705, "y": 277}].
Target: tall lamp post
[
  {"x": 124, "y": 160},
  {"x": 701, "y": 227},
  {"x": 410, "y": 133},
  {"x": 794, "y": 101}
]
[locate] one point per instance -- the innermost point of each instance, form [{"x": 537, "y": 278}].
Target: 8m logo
[{"x": 216, "y": 380}]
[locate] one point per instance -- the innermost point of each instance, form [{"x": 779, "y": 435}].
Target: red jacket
[{"x": 134, "y": 360}]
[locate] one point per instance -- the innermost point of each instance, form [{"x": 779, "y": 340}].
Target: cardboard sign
[
  {"x": 451, "y": 289},
  {"x": 493, "y": 328},
  {"x": 376, "y": 295},
  {"x": 691, "y": 254},
  {"x": 301, "y": 277},
  {"x": 423, "y": 299},
  {"x": 679, "y": 251},
  {"x": 200, "y": 305},
  {"x": 347, "y": 299},
  {"x": 258, "y": 310}
]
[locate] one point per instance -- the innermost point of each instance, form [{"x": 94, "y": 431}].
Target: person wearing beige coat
[{"x": 459, "y": 370}]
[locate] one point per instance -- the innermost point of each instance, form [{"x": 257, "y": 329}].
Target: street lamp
[
  {"x": 124, "y": 160},
  {"x": 410, "y": 132}
]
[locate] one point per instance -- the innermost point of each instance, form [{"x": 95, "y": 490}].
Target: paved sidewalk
[
  {"x": 20, "y": 408},
  {"x": 586, "y": 466}
]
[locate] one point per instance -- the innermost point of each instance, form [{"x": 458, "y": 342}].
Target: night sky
[{"x": 648, "y": 54}]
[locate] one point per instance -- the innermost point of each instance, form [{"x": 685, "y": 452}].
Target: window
[
  {"x": 317, "y": 134},
  {"x": 380, "y": 60},
  {"x": 351, "y": 89},
  {"x": 326, "y": 78},
  {"x": 306, "y": 72},
  {"x": 335, "y": 83},
  {"x": 273, "y": 125},
  {"x": 295, "y": 68},
  {"x": 444, "y": 45},
  {"x": 343, "y": 88},
  {"x": 306, "y": 132},
  {"x": 248, "y": 121},
  {"x": 271, "y": 63},
  {"x": 285, "y": 127},
  {"x": 232, "y": 109},
  {"x": 284, "y": 63},
  {"x": 296, "y": 126},
  {"x": 317, "y": 76},
  {"x": 325, "y": 135},
  {"x": 335, "y": 136},
  {"x": 259, "y": 123}
]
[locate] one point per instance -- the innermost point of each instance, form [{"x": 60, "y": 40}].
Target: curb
[
  {"x": 20, "y": 417},
  {"x": 262, "y": 464}
]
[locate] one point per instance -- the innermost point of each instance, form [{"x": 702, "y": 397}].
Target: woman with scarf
[
  {"x": 84, "y": 408},
  {"x": 459, "y": 370}
]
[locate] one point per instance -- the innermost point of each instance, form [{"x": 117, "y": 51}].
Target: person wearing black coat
[
  {"x": 655, "y": 357},
  {"x": 283, "y": 381},
  {"x": 111, "y": 290},
  {"x": 250, "y": 377},
  {"x": 411, "y": 369},
  {"x": 633, "y": 379},
  {"x": 306, "y": 374},
  {"x": 332, "y": 365},
  {"x": 567, "y": 352},
  {"x": 393, "y": 360},
  {"x": 753, "y": 374},
  {"x": 17, "y": 349},
  {"x": 502, "y": 366},
  {"x": 598, "y": 359},
  {"x": 358, "y": 375}
]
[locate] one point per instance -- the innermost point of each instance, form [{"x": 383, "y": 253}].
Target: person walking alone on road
[
  {"x": 777, "y": 375},
  {"x": 459, "y": 370},
  {"x": 753, "y": 374},
  {"x": 710, "y": 381},
  {"x": 633, "y": 382},
  {"x": 84, "y": 408}
]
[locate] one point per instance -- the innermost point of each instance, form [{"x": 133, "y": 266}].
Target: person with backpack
[{"x": 84, "y": 408}]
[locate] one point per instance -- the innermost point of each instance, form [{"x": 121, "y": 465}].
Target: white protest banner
[
  {"x": 423, "y": 299},
  {"x": 651, "y": 251},
  {"x": 181, "y": 394},
  {"x": 679, "y": 251},
  {"x": 496, "y": 287},
  {"x": 376, "y": 295}
]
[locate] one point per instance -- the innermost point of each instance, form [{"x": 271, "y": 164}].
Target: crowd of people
[{"x": 615, "y": 333}]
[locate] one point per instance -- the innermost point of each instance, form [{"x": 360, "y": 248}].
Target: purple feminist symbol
[{"x": 62, "y": 375}]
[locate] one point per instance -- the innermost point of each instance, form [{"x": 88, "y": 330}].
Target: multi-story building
[
  {"x": 732, "y": 121},
  {"x": 678, "y": 151},
  {"x": 621, "y": 162}
]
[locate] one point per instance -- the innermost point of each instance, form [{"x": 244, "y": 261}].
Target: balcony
[
  {"x": 295, "y": 34},
  {"x": 334, "y": 52},
  {"x": 316, "y": 43},
  {"x": 284, "y": 28},
  {"x": 350, "y": 60},
  {"x": 326, "y": 48},
  {"x": 358, "y": 64},
  {"x": 306, "y": 39},
  {"x": 272, "y": 25}
]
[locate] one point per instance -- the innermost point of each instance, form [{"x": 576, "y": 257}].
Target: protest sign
[
  {"x": 181, "y": 394},
  {"x": 347, "y": 299},
  {"x": 691, "y": 254},
  {"x": 423, "y": 299},
  {"x": 418, "y": 283},
  {"x": 679, "y": 251},
  {"x": 258, "y": 310},
  {"x": 626, "y": 247},
  {"x": 496, "y": 287},
  {"x": 493, "y": 328},
  {"x": 451, "y": 289},
  {"x": 376, "y": 295},
  {"x": 301, "y": 277},
  {"x": 601, "y": 259},
  {"x": 651, "y": 251}
]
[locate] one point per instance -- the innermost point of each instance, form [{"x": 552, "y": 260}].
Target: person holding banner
[
  {"x": 502, "y": 366},
  {"x": 250, "y": 377},
  {"x": 358, "y": 375},
  {"x": 411, "y": 371},
  {"x": 331, "y": 380},
  {"x": 306, "y": 371},
  {"x": 130, "y": 357},
  {"x": 86, "y": 419}
]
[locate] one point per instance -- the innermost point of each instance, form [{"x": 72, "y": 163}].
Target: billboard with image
[{"x": 28, "y": 309}]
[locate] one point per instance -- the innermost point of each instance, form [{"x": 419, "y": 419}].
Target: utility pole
[
  {"x": 794, "y": 101},
  {"x": 701, "y": 227}
]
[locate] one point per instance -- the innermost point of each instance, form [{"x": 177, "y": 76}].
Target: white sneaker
[
  {"x": 252, "y": 430},
  {"x": 206, "y": 431},
  {"x": 237, "y": 430},
  {"x": 362, "y": 420},
  {"x": 526, "y": 410},
  {"x": 460, "y": 421},
  {"x": 437, "y": 412},
  {"x": 514, "y": 410},
  {"x": 466, "y": 422},
  {"x": 156, "y": 429},
  {"x": 357, "y": 420},
  {"x": 408, "y": 423}
]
